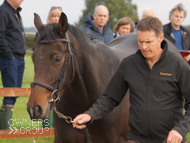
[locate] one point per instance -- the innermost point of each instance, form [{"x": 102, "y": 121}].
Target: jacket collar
[
  {"x": 13, "y": 10},
  {"x": 170, "y": 28}
]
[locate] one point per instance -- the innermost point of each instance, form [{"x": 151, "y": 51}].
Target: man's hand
[
  {"x": 174, "y": 137},
  {"x": 81, "y": 119},
  {"x": 187, "y": 58}
]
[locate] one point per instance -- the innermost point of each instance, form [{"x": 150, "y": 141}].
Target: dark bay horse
[{"x": 69, "y": 65}]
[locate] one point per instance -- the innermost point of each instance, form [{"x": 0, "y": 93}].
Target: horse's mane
[{"x": 81, "y": 37}]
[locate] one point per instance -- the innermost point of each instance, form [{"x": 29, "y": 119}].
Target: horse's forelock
[{"x": 50, "y": 32}]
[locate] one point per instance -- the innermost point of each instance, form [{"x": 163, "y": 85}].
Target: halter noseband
[{"x": 68, "y": 56}]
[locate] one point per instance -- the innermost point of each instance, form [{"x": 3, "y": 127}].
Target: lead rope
[{"x": 68, "y": 119}]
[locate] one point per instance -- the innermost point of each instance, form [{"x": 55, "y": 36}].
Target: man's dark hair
[
  {"x": 150, "y": 24},
  {"x": 180, "y": 8}
]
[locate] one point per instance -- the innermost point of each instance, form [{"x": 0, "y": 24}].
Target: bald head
[
  {"x": 101, "y": 8},
  {"x": 148, "y": 12},
  {"x": 100, "y": 16}
]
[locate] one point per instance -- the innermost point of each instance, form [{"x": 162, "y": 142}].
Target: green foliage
[
  {"x": 117, "y": 10},
  {"x": 28, "y": 76},
  {"x": 187, "y": 26},
  {"x": 29, "y": 42},
  {"x": 29, "y": 140}
]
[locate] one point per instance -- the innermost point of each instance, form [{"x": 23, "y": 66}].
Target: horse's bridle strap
[
  {"x": 54, "y": 41},
  {"x": 42, "y": 85}
]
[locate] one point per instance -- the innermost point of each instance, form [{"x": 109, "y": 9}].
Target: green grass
[{"x": 21, "y": 119}]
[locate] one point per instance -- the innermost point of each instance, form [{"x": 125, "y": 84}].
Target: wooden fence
[{"x": 22, "y": 133}]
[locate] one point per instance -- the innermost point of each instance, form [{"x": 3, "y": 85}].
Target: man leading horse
[{"x": 158, "y": 81}]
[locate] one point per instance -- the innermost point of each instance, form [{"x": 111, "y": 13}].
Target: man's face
[
  {"x": 15, "y": 3},
  {"x": 177, "y": 18},
  {"x": 100, "y": 18},
  {"x": 149, "y": 44}
]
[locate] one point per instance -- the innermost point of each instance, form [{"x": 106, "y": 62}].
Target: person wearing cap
[{"x": 12, "y": 51}]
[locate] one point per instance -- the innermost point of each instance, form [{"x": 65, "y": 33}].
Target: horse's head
[{"x": 53, "y": 66}]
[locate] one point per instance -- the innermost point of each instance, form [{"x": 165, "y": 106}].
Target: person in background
[
  {"x": 12, "y": 51},
  {"x": 53, "y": 17},
  {"x": 148, "y": 12},
  {"x": 175, "y": 32},
  {"x": 96, "y": 26},
  {"x": 157, "y": 88},
  {"x": 124, "y": 25},
  {"x": 54, "y": 14}
]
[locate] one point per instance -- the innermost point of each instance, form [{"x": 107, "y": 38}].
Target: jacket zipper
[{"x": 149, "y": 84}]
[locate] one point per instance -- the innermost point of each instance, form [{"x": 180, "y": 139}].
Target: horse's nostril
[{"x": 37, "y": 110}]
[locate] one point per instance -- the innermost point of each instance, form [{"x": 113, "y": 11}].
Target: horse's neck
[
  {"x": 86, "y": 80},
  {"x": 93, "y": 72},
  {"x": 83, "y": 91}
]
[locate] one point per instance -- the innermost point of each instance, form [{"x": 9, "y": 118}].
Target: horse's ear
[
  {"x": 38, "y": 23},
  {"x": 63, "y": 24}
]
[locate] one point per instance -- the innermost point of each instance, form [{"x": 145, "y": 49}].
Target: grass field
[
  {"x": 21, "y": 118},
  {"x": 20, "y": 113}
]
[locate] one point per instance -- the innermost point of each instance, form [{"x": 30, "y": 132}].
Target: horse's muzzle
[{"x": 35, "y": 112}]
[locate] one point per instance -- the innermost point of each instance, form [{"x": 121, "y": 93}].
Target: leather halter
[{"x": 68, "y": 56}]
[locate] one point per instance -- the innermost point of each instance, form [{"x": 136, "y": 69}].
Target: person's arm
[
  {"x": 112, "y": 96},
  {"x": 4, "y": 48},
  {"x": 102, "y": 106},
  {"x": 187, "y": 58},
  {"x": 180, "y": 130}
]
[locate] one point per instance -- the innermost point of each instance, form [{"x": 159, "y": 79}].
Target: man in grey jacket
[
  {"x": 157, "y": 88},
  {"x": 175, "y": 32}
]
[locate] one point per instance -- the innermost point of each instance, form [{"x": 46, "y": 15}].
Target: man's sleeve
[
  {"x": 4, "y": 48},
  {"x": 112, "y": 96},
  {"x": 102, "y": 106},
  {"x": 183, "y": 127}
]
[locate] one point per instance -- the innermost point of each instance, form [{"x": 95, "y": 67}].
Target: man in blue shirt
[
  {"x": 12, "y": 51},
  {"x": 177, "y": 34},
  {"x": 96, "y": 26}
]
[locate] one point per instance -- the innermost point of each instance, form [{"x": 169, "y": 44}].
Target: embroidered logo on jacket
[{"x": 166, "y": 74}]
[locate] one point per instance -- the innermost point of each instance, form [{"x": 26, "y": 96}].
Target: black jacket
[
  {"x": 185, "y": 35},
  {"x": 94, "y": 33},
  {"x": 12, "y": 38},
  {"x": 156, "y": 96}
]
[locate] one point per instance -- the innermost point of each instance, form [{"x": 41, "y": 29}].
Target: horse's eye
[{"x": 57, "y": 59}]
